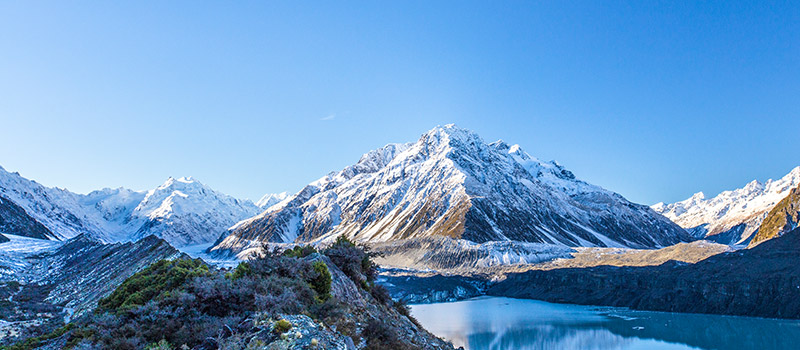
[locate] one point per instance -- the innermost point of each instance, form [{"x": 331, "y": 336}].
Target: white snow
[
  {"x": 271, "y": 199},
  {"x": 14, "y": 253}
]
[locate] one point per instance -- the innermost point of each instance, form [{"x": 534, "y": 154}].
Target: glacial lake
[{"x": 503, "y": 323}]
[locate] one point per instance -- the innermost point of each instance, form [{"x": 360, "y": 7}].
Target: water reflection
[{"x": 502, "y": 323}]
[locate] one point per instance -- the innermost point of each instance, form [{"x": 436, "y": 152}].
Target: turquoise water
[{"x": 503, "y": 323}]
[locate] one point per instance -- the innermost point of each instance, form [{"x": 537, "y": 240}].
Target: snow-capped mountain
[
  {"x": 271, "y": 199},
  {"x": 182, "y": 211},
  {"x": 732, "y": 217},
  {"x": 59, "y": 210},
  {"x": 450, "y": 182}
]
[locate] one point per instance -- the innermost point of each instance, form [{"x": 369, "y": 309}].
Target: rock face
[
  {"x": 762, "y": 282},
  {"x": 14, "y": 219},
  {"x": 451, "y": 183},
  {"x": 732, "y": 217},
  {"x": 781, "y": 219}
]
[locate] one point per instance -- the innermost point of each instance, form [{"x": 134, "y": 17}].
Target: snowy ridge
[
  {"x": 183, "y": 211},
  {"x": 271, "y": 199},
  {"x": 59, "y": 210},
  {"x": 733, "y": 216},
  {"x": 451, "y": 183}
]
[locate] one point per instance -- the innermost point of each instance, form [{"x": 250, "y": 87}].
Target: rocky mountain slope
[
  {"x": 781, "y": 219},
  {"x": 46, "y": 283},
  {"x": 183, "y": 211},
  {"x": 732, "y": 217},
  {"x": 14, "y": 219},
  {"x": 762, "y": 281},
  {"x": 451, "y": 183}
]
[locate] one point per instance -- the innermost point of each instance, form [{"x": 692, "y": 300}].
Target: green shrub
[
  {"x": 158, "y": 278},
  {"x": 402, "y": 307},
  {"x": 243, "y": 269},
  {"x": 282, "y": 326},
  {"x": 300, "y": 251},
  {"x": 35, "y": 342},
  {"x": 381, "y": 294},
  {"x": 161, "y": 345},
  {"x": 322, "y": 282}
]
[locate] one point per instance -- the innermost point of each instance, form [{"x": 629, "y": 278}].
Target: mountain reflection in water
[{"x": 503, "y": 323}]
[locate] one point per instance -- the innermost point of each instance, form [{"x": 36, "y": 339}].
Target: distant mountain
[
  {"x": 783, "y": 218},
  {"x": 732, "y": 217},
  {"x": 183, "y": 211},
  {"x": 451, "y": 183},
  {"x": 58, "y": 210},
  {"x": 271, "y": 199}
]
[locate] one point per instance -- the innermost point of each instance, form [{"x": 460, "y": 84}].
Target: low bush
[
  {"x": 353, "y": 260},
  {"x": 380, "y": 336},
  {"x": 381, "y": 294},
  {"x": 160, "y": 277},
  {"x": 282, "y": 326},
  {"x": 322, "y": 282},
  {"x": 35, "y": 342},
  {"x": 300, "y": 251}
]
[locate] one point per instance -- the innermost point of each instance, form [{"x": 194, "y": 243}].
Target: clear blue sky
[{"x": 654, "y": 100}]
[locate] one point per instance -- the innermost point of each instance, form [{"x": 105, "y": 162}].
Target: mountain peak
[
  {"x": 450, "y": 182},
  {"x": 444, "y": 134},
  {"x": 271, "y": 199}
]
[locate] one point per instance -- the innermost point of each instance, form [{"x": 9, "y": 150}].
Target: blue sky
[{"x": 654, "y": 100}]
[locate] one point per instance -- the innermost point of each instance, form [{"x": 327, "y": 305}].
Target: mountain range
[
  {"x": 732, "y": 217},
  {"x": 183, "y": 211},
  {"x": 449, "y": 183}
]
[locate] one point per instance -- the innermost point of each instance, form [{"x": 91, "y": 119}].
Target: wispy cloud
[{"x": 329, "y": 117}]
